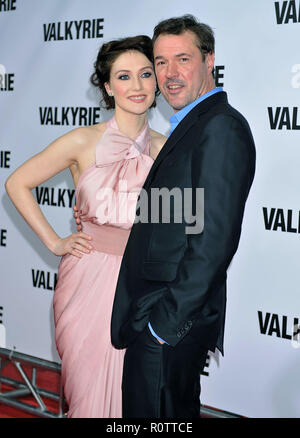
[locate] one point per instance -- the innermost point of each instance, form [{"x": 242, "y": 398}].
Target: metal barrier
[
  {"x": 208, "y": 412},
  {"x": 28, "y": 387}
]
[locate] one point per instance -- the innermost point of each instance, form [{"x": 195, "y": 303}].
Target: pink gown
[{"x": 106, "y": 196}]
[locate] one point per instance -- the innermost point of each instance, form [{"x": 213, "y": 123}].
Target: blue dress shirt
[{"x": 175, "y": 119}]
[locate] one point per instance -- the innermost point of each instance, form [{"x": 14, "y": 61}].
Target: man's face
[{"x": 181, "y": 74}]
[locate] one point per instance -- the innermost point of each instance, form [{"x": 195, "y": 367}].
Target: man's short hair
[{"x": 205, "y": 39}]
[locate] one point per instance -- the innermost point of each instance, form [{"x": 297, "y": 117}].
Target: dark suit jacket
[{"x": 177, "y": 281}]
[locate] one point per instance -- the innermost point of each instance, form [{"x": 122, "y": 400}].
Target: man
[{"x": 169, "y": 307}]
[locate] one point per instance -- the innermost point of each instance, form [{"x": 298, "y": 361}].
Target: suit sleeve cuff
[{"x": 154, "y": 334}]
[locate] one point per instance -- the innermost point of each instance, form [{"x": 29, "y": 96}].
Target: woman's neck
[{"x": 130, "y": 124}]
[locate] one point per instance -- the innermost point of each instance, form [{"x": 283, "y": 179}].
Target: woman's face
[{"x": 132, "y": 82}]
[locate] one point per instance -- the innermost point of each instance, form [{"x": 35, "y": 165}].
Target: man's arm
[
  {"x": 77, "y": 219},
  {"x": 223, "y": 164}
]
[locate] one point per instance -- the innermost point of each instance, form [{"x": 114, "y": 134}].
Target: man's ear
[{"x": 210, "y": 61}]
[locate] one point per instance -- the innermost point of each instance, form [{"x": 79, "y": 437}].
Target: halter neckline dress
[{"x": 106, "y": 197}]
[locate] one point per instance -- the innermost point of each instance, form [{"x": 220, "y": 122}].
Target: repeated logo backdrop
[{"x": 46, "y": 58}]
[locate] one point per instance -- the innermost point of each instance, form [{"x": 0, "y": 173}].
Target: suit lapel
[{"x": 181, "y": 130}]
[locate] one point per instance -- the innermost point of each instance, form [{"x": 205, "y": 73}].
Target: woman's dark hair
[
  {"x": 205, "y": 39},
  {"x": 107, "y": 55}
]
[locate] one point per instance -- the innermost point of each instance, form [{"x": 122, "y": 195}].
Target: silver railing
[
  {"x": 208, "y": 412},
  {"x": 27, "y": 386}
]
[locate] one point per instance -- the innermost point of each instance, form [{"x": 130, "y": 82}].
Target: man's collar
[{"x": 176, "y": 118}]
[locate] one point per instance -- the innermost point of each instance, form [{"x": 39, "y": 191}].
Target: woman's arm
[{"x": 59, "y": 155}]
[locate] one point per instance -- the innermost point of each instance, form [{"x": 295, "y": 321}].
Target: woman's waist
[{"x": 106, "y": 238}]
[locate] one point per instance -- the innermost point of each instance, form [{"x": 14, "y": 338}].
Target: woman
[{"x": 109, "y": 163}]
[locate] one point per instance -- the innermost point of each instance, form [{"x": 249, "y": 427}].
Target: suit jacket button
[{"x": 188, "y": 325}]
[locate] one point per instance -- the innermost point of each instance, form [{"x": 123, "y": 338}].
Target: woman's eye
[
  {"x": 123, "y": 77},
  {"x": 147, "y": 74}
]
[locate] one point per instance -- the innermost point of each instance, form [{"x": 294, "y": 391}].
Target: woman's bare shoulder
[
  {"x": 86, "y": 135},
  {"x": 157, "y": 139},
  {"x": 157, "y": 136},
  {"x": 82, "y": 141},
  {"x": 157, "y": 142}
]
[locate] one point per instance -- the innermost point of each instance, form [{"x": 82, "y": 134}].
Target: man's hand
[{"x": 77, "y": 220}]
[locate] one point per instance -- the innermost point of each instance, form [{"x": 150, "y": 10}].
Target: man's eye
[
  {"x": 159, "y": 63},
  {"x": 184, "y": 59}
]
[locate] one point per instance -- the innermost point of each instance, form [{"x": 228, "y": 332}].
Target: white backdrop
[{"x": 45, "y": 66}]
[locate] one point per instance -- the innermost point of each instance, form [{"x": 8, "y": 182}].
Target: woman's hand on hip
[{"x": 75, "y": 244}]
